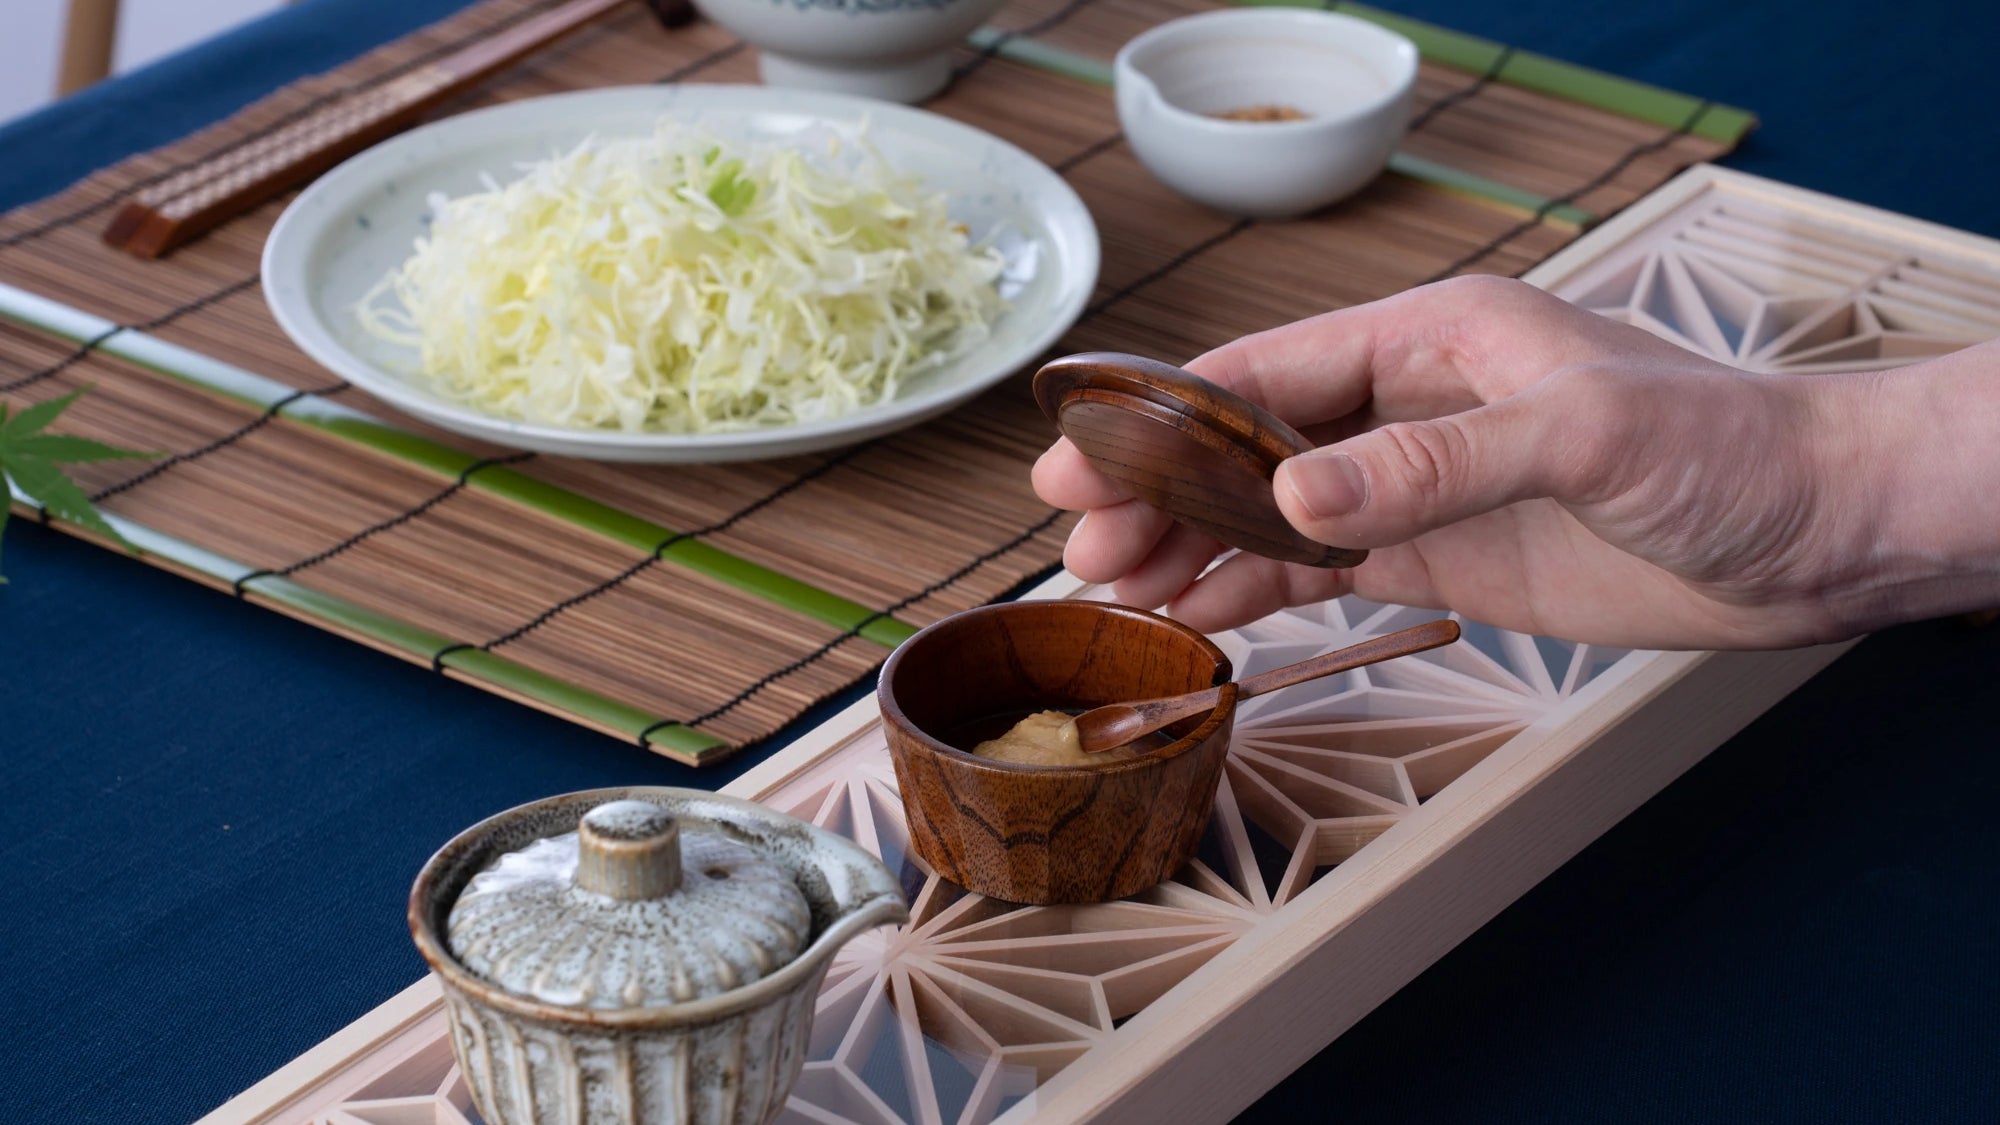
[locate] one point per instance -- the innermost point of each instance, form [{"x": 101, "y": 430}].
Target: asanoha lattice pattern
[
  {"x": 1768, "y": 290},
  {"x": 966, "y": 1011},
  {"x": 962, "y": 1013}
]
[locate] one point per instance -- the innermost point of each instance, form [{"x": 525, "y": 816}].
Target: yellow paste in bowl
[{"x": 1048, "y": 738}]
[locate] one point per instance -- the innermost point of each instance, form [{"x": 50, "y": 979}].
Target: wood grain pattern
[
  {"x": 1052, "y": 834},
  {"x": 1184, "y": 445},
  {"x": 1118, "y": 724}
]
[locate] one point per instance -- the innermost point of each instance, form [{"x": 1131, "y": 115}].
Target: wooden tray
[{"x": 1364, "y": 828}]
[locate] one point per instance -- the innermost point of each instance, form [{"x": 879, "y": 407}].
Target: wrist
[{"x": 1913, "y": 450}]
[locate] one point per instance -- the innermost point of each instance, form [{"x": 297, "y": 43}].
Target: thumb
[{"x": 1392, "y": 484}]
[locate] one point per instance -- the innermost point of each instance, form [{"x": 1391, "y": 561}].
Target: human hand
[{"x": 1531, "y": 465}]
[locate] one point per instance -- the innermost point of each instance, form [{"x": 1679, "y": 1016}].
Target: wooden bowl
[{"x": 1049, "y": 834}]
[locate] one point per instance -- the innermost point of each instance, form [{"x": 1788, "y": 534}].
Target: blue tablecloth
[{"x": 212, "y": 813}]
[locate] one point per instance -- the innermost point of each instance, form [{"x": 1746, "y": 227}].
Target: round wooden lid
[{"x": 1202, "y": 454}]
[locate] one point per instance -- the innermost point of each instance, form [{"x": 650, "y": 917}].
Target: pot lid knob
[{"x": 629, "y": 850}]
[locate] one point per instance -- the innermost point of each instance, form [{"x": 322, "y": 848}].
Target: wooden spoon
[{"x": 1115, "y": 724}]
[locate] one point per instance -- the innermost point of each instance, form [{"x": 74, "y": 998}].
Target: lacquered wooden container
[{"x": 1050, "y": 834}]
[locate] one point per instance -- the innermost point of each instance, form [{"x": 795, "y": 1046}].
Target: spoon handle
[{"x": 1403, "y": 642}]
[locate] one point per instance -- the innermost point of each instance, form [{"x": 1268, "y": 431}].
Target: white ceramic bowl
[
  {"x": 359, "y": 221},
  {"x": 899, "y": 50},
  {"x": 1352, "y": 80}
]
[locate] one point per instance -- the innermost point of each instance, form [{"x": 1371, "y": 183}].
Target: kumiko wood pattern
[
  {"x": 694, "y": 609},
  {"x": 1363, "y": 827}
]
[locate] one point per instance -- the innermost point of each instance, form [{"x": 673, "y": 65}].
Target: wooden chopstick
[{"x": 188, "y": 205}]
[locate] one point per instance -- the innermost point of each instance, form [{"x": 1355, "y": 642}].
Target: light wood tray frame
[{"x": 1232, "y": 977}]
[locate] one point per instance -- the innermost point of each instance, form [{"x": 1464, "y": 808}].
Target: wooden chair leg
[{"x": 89, "y": 34}]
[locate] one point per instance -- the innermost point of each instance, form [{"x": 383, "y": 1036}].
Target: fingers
[
  {"x": 1248, "y": 587},
  {"x": 1179, "y": 558},
  {"x": 1117, "y": 533},
  {"x": 1395, "y": 483},
  {"x": 1304, "y": 372},
  {"x": 1065, "y": 478},
  {"x": 1111, "y": 541},
  {"x": 1438, "y": 349}
]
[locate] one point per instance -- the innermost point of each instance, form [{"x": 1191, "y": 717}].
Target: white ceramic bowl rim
[
  {"x": 1382, "y": 43},
  {"x": 314, "y": 338}
]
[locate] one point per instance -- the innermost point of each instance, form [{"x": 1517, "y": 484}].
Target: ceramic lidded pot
[{"x": 642, "y": 956}]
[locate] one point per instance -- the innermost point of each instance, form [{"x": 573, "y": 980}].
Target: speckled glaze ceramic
[{"x": 654, "y": 964}]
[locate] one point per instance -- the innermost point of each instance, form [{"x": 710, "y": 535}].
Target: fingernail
[{"x": 1328, "y": 484}]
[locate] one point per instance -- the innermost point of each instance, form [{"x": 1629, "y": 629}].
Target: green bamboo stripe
[
  {"x": 409, "y": 640},
  {"x": 1623, "y": 96},
  {"x": 193, "y": 368},
  {"x": 1451, "y": 179},
  {"x": 1033, "y": 52},
  {"x": 1030, "y": 52}
]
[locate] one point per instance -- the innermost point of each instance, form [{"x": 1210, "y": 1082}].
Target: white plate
[{"x": 359, "y": 221}]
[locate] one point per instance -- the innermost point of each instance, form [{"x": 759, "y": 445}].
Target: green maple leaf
[{"x": 29, "y": 456}]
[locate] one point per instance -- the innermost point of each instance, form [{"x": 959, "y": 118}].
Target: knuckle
[
  {"x": 1600, "y": 418},
  {"x": 1467, "y": 317},
  {"x": 1479, "y": 292},
  {"x": 1427, "y": 458}
]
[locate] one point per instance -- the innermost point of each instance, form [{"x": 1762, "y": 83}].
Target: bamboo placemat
[{"x": 695, "y": 609}]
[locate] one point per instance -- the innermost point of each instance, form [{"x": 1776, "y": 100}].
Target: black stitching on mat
[
  {"x": 702, "y": 63},
  {"x": 662, "y": 547},
  {"x": 453, "y": 489},
  {"x": 437, "y": 658},
  {"x": 1047, "y": 23},
  {"x": 1095, "y": 148},
  {"x": 855, "y": 630},
  {"x": 548, "y": 614},
  {"x": 196, "y": 305},
  {"x": 228, "y": 439},
  {"x": 84, "y": 349},
  {"x": 1465, "y": 93},
  {"x": 1530, "y": 223},
  {"x": 1175, "y": 263},
  {"x": 279, "y": 122},
  {"x": 1171, "y": 264},
  {"x": 1184, "y": 257}
]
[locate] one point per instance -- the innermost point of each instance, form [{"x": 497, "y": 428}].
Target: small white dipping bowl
[
  {"x": 1352, "y": 80},
  {"x": 896, "y": 50}
]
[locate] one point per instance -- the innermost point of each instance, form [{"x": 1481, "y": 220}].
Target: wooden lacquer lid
[{"x": 1202, "y": 454}]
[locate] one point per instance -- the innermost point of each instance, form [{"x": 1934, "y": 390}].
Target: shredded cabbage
[{"x": 682, "y": 283}]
